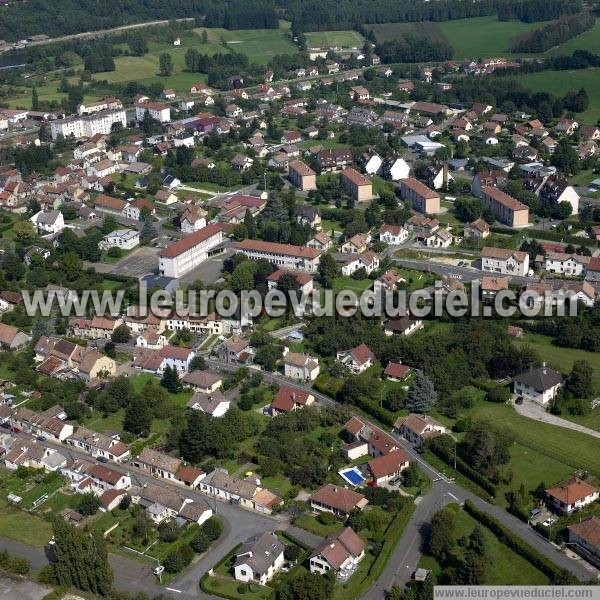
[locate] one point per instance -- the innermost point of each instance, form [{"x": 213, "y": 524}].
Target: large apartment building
[
  {"x": 88, "y": 125},
  {"x": 506, "y": 209},
  {"x": 357, "y": 185},
  {"x": 423, "y": 199},
  {"x": 302, "y": 176},
  {"x": 285, "y": 256},
  {"x": 193, "y": 249}
]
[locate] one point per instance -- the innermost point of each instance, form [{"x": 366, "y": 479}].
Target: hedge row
[
  {"x": 391, "y": 537},
  {"x": 288, "y": 536},
  {"x": 522, "y": 548},
  {"x": 377, "y": 412},
  {"x": 464, "y": 468}
]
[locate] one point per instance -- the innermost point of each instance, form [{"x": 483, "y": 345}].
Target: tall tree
[
  {"x": 138, "y": 416},
  {"x": 165, "y": 64},
  {"x": 81, "y": 559},
  {"x": 35, "y": 103},
  {"x": 422, "y": 396},
  {"x": 579, "y": 382}
]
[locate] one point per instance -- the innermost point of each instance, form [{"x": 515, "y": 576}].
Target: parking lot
[{"x": 137, "y": 264}]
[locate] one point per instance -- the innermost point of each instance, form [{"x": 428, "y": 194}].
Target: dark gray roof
[
  {"x": 259, "y": 552},
  {"x": 541, "y": 379}
]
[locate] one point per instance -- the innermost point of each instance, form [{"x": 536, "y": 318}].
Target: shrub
[
  {"x": 326, "y": 518},
  {"x": 200, "y": 543},
  {"x": 243, "y": 588},
  {"x": 500, "y": 394},
  {"x": 178, "y": 559},
  {"x": 168, "y": 531},
  {"x": 291, "y": 553},
  {"x": 213, "y": 528}
]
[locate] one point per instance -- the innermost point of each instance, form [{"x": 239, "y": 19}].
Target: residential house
[
  {"x": 417, "y": 429},
  {"x": 202, "y": 381},
  {"x": 358, "y": 359},
  {"x": 12, "y": 338},
  {"x": 539, "y": 384},
  {"x": 340, "y": 552},
  {"x": 388, "y": 466},
  {"x": 337, "y": 500},
  {"x": 259, "y": 559},
  {"x": 48, "y": 222},
  {"x": 157, "y": 463},
  {"x": 396, "y": 371},
  {"x": 99, "y": 445},
  {"x": 369, "y": 261},
  {"x": 402, "y": 325},
  {"x": 289, "y": 399},
  {"x": 504, "y": 261},
  {"x": 300, "y": 366},
  {"x": 571, "y": 495},
  {"x": 477, "y": 229},
  {"x": 357, "y": 185},
  {"x": 214, "y": 404},
  {"x": 584, "y": 538},
  {"x": 393, "y": 234},
  {"x": 423, "y": 199}
]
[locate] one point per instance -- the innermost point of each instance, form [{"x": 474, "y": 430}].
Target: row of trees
[{"x": 567, "y": 27}]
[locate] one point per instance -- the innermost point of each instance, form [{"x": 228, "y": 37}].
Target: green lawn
[
  {"x": 560, "y": 82},
  {"x": 506, "y": 568},
  {"x": 387, "y": 32},
  {"x": 24, "y": 527},
  {"x": 312, "y": 524},
  {"x": 571, "y": 448},
  {"x": 347, "y": 283},
  {"x": 346, "y": 39},
  {"x": 481, "y": 37}
]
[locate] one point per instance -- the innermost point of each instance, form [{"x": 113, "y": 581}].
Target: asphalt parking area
[{"x": 21, "y": 589}]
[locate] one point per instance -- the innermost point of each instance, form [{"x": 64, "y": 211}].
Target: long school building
[
  {"x": 285, "y": 256},
  {"x": 186, "y": 254}
]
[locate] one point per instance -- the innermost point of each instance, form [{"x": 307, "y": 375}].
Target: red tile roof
[{"x": 193, "y": 239}]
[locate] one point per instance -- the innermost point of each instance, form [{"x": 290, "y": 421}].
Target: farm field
[
  {"x": 347, "y": 39},
  {"x": 386, "y": 32},
  {"x": 481, "y": 37},
  {"x": 560, "y": 82}
]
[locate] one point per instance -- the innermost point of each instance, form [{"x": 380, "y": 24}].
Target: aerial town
[{"x": 156, "y": 158}]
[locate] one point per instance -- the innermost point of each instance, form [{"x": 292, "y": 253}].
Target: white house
[
  {"x": 399, "y": 170},
  {"x": 566, "y": 264},
  {"x": 373, "y": 165},
  {"x": 193, "y": 219},
  {"x": 393, "y": 234},
  {"x": 357, "y": 359},
  {"x": 48, "y": 222},
  {"x": 540, "y": 384},
  {"x": 571, "y": 495},
  {"x": 176, "y": 357},
  {"x": 340, "y": 552},
  {"x": 157, "y": 110},
  {"x": 300, "y": 366},
  {"x": 126, "y": 239},
  {"x": 417, "y": 429},
  {"x": 502, "y": 260},
  {"x": 259, "y": 559},
  {"x": 214, "y": 403},
  {"x": 369, "y": 261}
]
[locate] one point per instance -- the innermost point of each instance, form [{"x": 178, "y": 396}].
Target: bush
[
  {"x": 213, "y": 529},
  {"x": 200, "y": 543},
  {"x": 168, "y": 531},
  {"x": 243, "y": 588},
  {"x": 500, "y": 394},
  {"x": 291, "y": 553},
  {"x": 326, "y": 518},
  {"x": 88, "y": 504},
  {"x": 178, "y": 559},
  {"x": 115, "y": 252}
]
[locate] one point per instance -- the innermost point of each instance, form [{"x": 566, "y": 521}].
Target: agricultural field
[
  {"x": 387, "y": 32},
  {"x": 482, "y": 37},
  {"x": 559, "y": 82},
  {"x": 346, "y": 39}
]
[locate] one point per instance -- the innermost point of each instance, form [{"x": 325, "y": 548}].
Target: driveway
[{"x": 535, "y": 411}]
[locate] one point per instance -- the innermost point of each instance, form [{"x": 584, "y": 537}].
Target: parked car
[
  {"x": 549, "y": 521},
  {"x": 535, "y": 513},
  {"x": 102, "y": 459}
]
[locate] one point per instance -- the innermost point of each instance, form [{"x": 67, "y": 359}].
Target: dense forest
[
  {"x": 64, "y": 17},
  {"x": 413, "y": 48},
  {"x": 531, "y": 11},
  {"x": 565, "y": 28}
]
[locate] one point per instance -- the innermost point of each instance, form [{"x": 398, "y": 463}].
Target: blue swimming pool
[{"x": 352, "y": 475}]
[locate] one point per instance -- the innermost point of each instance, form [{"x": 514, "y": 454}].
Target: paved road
[
  {"x": 239, "y": 525},
  {"x": 444, "y": 490},
  {"x": 532, "y": 410}
]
